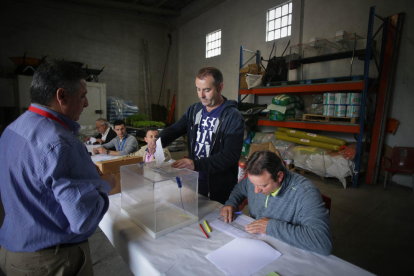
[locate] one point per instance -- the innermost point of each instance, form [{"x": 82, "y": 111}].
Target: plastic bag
[
  {"x": 317, "y": 98},
  {"x": 349, "y": 152},
  {"x": 284, "y": 148},
  {"x": 283, "y": 99},
  {"x": 253, "y": 80},
  {"x": 262, "y": 137},
  {"x": 315, "y": 109}
]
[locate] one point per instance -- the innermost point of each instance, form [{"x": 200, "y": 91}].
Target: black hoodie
[{"x": 227, "y": 142}]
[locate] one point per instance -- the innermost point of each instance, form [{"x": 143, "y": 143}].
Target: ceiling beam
[{"x": 127, "y": 6}]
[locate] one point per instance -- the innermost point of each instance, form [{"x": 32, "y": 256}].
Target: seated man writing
[
  {"x": 106, "y": 133},
  {"x": 152, "y": 133},
  {"x": 123, "y": 143},
  {"x": 286, "y": 205}
]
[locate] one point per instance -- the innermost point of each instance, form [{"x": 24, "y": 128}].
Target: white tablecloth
[{"x": 183, "y": 252}]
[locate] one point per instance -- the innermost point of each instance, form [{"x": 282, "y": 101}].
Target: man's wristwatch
[{"x": 107, "y": 151}]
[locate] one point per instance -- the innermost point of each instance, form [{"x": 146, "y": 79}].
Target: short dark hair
[
  {"x": 211, "y": 71},
  {"x": 52, "y": 75},
  {"x": 264, "y": 160},
  {"x": 151, "y": 129},
  {"x": 119, "y": 122}
]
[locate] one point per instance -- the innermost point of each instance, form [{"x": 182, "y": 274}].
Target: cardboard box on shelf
[
  {"x": 112, "y": 166},
  {"x": 264, "y": 146},
  {"x": 250, "y": 69}
]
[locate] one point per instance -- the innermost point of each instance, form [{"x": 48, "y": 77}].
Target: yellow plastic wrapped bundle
[
  {"x": 307, "y": 142},
  {"x": 280, "y": 133},
  {"x": 312, "y": 137},
  {"x": 309, "y": 150}
]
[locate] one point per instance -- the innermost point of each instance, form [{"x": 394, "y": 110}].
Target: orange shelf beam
[
  {"x": 310, "y": 126},
  {"x": 306, "y": 88}
]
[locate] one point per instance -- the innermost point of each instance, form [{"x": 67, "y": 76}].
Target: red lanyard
[{"x": 47, "y": 115}]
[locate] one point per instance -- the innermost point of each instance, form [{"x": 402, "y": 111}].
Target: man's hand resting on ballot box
[{"x": 184, "y": 163}]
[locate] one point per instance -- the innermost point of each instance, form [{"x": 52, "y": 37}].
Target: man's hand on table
[
  {"x": 99, "y": 150},
  {"x": 258, "y": 226},
  {"x": 228, "y": 213},
  {"x": 99, "y": 141},
  {"x": 183, "y": 164}
]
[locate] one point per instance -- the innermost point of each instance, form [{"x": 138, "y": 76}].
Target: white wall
[
  {"x": 242, "y": 22},
  {"x": 97, "y": 36}
]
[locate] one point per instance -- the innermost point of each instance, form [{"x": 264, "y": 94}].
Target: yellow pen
[{"x": 208, "y": 227}]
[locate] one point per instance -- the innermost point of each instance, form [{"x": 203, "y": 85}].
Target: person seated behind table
[
  {"x": 123, "y": 143},
  {"x": 152, "y": 133},
  {"x": 106, "y": 133},
  {"x": 286, "y": 205}
]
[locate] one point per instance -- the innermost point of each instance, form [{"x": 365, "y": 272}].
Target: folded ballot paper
[
  {"x": 235, "y": 259},
  {"x": 159, "y": 154}
]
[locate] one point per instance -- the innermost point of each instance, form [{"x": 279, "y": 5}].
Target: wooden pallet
[{"x": 323, "y": 118}]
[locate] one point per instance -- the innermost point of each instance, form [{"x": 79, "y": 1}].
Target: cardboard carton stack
[{"x": 253, "y": 69}]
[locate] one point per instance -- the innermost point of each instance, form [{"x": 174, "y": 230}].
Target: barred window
[
  {"x": 213, "y": 44},
  {"x": 279, "y": 21}
]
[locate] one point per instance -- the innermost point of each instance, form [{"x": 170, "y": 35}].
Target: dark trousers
[
  {"x": 63, "y": 260},
  {"x": 220, "y": 196}
]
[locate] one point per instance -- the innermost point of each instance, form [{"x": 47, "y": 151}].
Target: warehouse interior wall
[
  {"x": 243, "y": 22},
  {"x": 113, "y": 38},
  {"x": 97, "y": 36}
]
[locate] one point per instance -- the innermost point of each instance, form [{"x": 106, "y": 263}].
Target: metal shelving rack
[{"x": 360, "y": 86}]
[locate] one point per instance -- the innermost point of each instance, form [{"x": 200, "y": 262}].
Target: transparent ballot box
[{"x": 159, "y": 200}]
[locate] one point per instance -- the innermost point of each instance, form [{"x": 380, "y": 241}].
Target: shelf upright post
[
  {"x": 364, "y": 95},
  {"x": 257, "y": 54},
  {"x": 240, "y": 67},
  {"x": 258, "y": 65}
]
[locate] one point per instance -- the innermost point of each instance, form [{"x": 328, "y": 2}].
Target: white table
[{"x": 183, "y": 252}]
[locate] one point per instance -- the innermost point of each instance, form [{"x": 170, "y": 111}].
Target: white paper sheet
[
  {"x": 236, "y": 228},
  {"x": 102, "y": 157},
  {"x": 243, "y": 257},
  {"x": 159, "y": 154},
  {"x": 92, "y": 140}
]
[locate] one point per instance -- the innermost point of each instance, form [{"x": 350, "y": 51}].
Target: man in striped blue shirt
[{"x": 52, "y": 193}]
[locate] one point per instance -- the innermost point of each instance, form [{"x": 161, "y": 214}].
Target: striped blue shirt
[{"x": 50, "y": 188}]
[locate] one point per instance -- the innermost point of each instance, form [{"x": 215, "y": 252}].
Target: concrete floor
[{"x": 372, "y": 228}]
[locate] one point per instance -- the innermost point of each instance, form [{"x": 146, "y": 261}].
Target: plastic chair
[{"x": 402, "y": 161}]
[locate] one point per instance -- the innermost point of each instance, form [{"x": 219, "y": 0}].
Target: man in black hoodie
[{"x": 215, "y": 130}]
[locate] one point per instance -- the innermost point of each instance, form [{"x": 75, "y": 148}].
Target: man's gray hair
[
  {"x": 52, "y": 75},
  {"x": 103, "y": 121}
]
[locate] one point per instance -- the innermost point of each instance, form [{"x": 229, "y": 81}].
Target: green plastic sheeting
[{"x": 312, "y": 137}]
